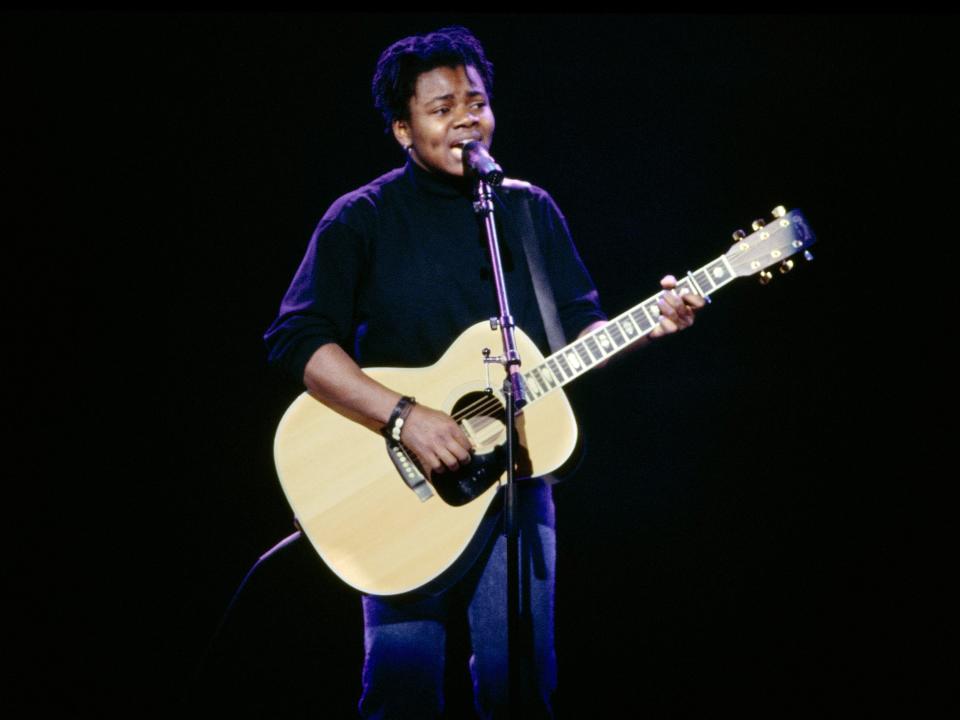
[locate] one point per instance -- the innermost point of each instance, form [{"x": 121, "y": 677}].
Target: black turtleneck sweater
[{"x": 397, "y": 269}]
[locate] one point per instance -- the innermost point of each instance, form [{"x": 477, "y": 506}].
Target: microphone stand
[{"x": 515, "y": 396}]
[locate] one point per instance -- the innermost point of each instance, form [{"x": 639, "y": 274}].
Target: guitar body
[{"x": 351, "y": 503}]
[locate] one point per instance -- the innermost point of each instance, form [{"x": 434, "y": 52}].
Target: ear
[{"x": 401, "y": 131}]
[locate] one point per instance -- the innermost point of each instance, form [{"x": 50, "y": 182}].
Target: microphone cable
[{"x": 292, "y": 537}]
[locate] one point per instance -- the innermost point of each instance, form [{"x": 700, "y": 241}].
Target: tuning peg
[
  {"x": 786, "y": 266},
  {"x": 739, "y": 235},
  {"x": 779, "y": 211},
  {"x": 757, "y": 224},
  {"x": 765, "y": 277},
  {"x": 807, "y": 255}
]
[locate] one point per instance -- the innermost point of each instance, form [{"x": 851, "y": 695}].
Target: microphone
[{"x": 477, "y": 161}]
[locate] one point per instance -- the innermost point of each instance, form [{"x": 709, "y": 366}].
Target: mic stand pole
[{"x": 515, "y": 395}]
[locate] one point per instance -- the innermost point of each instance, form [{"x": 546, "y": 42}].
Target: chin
[
  {"x": 455, "y": 171},
  {"x": 454, "y": 168}
]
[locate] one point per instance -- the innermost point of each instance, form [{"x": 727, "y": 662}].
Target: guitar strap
[
  {"x": 543, "y": 290},
  {"x": 541, "y": 283}
]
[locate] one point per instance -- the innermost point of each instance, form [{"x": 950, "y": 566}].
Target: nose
[{"x": 467, "y": 118}]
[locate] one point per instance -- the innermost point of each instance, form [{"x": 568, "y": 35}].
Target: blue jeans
[{"x": 405, "y": 636}]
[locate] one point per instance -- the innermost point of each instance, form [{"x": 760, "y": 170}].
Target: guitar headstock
[{"x": 771, "y": 243}]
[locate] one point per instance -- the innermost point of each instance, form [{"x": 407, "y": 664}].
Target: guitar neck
[{"x": 619, "y": 333}]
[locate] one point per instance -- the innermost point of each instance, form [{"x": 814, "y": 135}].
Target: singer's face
[{"x": 449, "y": 106}]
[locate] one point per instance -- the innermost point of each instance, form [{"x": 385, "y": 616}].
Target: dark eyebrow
[{"x": 449, "y": 96}]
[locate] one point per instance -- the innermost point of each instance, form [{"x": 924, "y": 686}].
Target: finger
[
  {"x": 694, "y": 301},
  {"x": 430, "y": 461},
  {"x": 668, "y": 310},
  {"x": 673, "y": 300},
  {"x": 463, "y": 443},
  {"x": 668, "y": 282},
  {"x": 668, "y": 325},
  {"x": 689, "y": 313},
  {"x": 461, "y": 453},
  {"x": 683, "y": 309},
  {"x": 448, "y": 459}
]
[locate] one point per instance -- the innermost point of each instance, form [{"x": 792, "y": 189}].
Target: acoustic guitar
[{"x": 350, "y": 497}]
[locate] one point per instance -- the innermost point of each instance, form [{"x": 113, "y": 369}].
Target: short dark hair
[{"x": 399, "y": 66}]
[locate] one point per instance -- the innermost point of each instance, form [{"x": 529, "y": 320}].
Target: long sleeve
[{"x": 319, "y": 305}]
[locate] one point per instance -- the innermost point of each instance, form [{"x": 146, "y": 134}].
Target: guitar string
[
  {"x": 491, "y": 404},
  {"x": 483, "y": 405},
  {"x": 478, "y": 408}
]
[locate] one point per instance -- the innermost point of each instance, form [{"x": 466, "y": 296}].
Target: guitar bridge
[{"x": 409, "y": 471}]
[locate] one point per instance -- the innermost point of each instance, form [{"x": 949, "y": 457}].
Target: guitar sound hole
[{"x": 483, "y": 419}]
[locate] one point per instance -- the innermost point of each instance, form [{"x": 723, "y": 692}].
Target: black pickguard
[{"x": 459, "y": 487}]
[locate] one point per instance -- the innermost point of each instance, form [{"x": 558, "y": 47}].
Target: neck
[
  {"x": 439, "y": 183},
  {"x": 589, "y": 351}
]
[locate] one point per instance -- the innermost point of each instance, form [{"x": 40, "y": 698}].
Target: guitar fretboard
[{"x": 619, "y": 333}]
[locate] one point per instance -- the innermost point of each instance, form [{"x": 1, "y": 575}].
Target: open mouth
[{"x": 460, "y": 143}]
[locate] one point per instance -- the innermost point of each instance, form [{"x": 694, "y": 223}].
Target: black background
[{"x": 760, "y": 522}]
